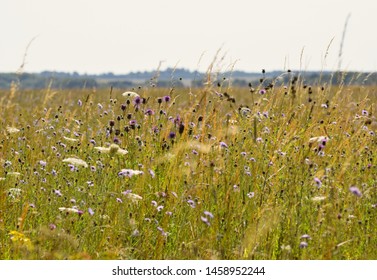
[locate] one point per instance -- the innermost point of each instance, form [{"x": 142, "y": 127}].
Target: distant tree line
[{"x": 179, "y": 78}]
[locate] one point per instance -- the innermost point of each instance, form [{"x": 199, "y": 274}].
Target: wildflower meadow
[{"x": 270, "y": 171}]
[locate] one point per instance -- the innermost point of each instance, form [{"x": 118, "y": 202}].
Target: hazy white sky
[{"x": 93, "y": 36}]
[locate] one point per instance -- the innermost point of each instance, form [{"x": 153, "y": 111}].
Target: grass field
[{"x": 286, "y": 172}]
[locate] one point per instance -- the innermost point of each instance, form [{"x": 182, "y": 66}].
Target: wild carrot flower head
[
  {"x": 130, "y": 94},
  {"x": 129, "y": 173},
  {"x": 76, "y": 162}
]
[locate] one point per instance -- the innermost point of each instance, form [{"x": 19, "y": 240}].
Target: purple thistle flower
[
  {"x": 262, "y": 91},
  {"x": 159, "y": 208},
  {"x": 154, "y": 203},
  {"x": 43, "y": 163},
  {"x": 166, "y": 98},
  {"x": 303, "y": 244},
  {"x": 52, "y": 226},
  {"x": 171, "y": 135},
  {"x": 355, "y": 191}
]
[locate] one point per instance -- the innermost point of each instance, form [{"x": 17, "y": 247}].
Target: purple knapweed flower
[
  {"x": 262, "y": 91},
  {"x": 305, "y": 236},
  {"x": 174, "y": 194},
  {"x": 209, "y": 214},
  {"x": 58, "y": 193},
  {"x": 355, "y": 191},
  {"x": 43, "y": 163},
  {"x": 151, "y": 172},
  {"x": 138, "y": 101},
  {"x": 149, "y": 112},
  {"x": 133, "y": 122},
  {"x": 223, "y": 145},
  {"x": 126, "y": 192},
  {"x": 166, "y": 98},
  {"x": 250, "y": 194},
  {"x": 72, "y": 167},
  {"x": 191, "y": 203},
  {"x": 317, "y": 182},
  {"x": 172, "y": 135},
  {"x": 303, "y": 244},
  {"x": 162, "y": 231},
  {"x": 205, "y": 220}
]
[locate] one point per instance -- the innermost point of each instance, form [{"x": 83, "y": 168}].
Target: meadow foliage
[{"x": 264, "y": 172}]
